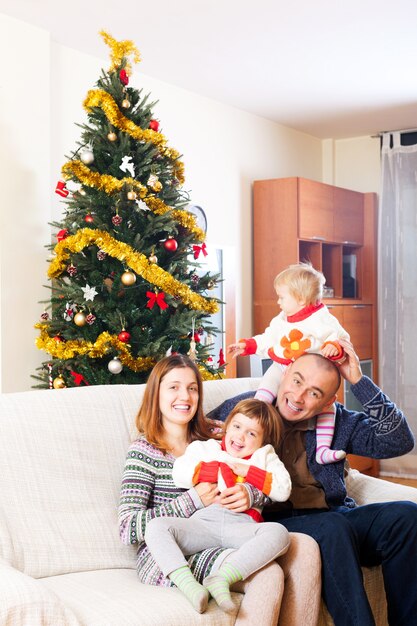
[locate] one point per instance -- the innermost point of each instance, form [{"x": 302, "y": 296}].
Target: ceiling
[{"x": 329, "y": 68}]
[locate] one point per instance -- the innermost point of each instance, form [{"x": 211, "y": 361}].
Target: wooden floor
[{"x": 410, "y": 482}]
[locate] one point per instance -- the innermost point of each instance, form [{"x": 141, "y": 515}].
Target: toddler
[
  {"x": 304, "y": 325},
  {"x": 245, "y": 454}
]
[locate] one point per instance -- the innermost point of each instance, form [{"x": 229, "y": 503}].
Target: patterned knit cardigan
[{"x": 148, "y": 491}]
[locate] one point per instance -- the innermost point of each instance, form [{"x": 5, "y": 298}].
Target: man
[{"x": 349, "y": 536}]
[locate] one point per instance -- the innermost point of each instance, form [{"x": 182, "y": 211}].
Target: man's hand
[
  {"x": 350, "y": 369},
  {"x": 235, "y": 349},
  {"x": 208, "y": 492},
  {"x": 240, "y": 469},
  {"x": 234, "y": 498}
]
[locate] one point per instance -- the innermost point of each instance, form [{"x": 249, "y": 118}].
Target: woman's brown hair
[
  {"x": 266, "y": 415},
  {"x": 149, "y": 417}
]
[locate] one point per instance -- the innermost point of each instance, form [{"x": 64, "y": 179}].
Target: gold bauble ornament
[
  {"x": 128, "y": 278},
  {"x": 131, "y": 195},
  {"x": 126, "y": 104},
  {"x": 153, "y": 258},
  {"x": 79, "y": 319},
  {"x": 59, "y": 383},
  {"x": 112, "y": 136},
  {"x": 211, "y": 284}
]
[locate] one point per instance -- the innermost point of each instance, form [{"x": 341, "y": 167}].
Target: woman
[{"x": 170, "y": 417}]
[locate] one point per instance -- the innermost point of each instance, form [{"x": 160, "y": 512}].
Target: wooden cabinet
[{"x": 335, "y": 229}]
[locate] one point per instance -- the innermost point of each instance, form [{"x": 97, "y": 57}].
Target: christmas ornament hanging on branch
[{"x": 123, "y": 182}]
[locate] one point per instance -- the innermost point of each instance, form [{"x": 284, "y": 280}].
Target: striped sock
[
  {"x": 193, "y": 591},
  {"x": 326, "y": 455},
  {"x": 219, "y": 583}
]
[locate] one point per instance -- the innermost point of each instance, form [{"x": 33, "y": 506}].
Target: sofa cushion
[
  {"x": 116, "y": 597},
  {"x": 61, "y": 462},
  {"x": 26, "y": 602}
]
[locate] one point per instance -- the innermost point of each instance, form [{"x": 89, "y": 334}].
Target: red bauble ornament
[
  {"x": 62, "y": 234},
  {"x": 117, "y": 220},
  {"x": 124, "y": 336},
  {"x": 89, "y": 218},
  {"x": 154, "y": 125},
  {"x": 124, "y": 78},
  {"x": 171, "y": 244}
]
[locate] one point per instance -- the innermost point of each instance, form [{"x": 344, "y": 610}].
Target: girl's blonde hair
[
  {"x": 266, "y": 415},
  {"x": 149, "y": 417},
  {"x": 303, "y": 281}
]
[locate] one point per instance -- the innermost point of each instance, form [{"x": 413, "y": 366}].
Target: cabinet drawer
[
  {"x": 358, "y": 323},
  {"x": 356, "y": 319}
]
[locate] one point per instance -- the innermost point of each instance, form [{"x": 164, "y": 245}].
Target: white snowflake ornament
[{"x": 89, "y": 292}]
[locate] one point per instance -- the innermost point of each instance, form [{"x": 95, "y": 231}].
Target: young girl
[
  {"x": 245, "y": 454},
  {"x": 304, "y": 325},
  {"x": 170, "y": 418}
]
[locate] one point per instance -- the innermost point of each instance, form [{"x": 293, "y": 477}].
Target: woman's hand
[
  {"x": 235, "y": 498},
  {"x": 207, "y": 492}
]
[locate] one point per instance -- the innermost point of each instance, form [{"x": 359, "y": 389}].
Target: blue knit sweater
[{"x": 380, "y": 432}]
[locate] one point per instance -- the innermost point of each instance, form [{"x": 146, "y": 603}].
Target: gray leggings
[{"x": 255, "y": 544}]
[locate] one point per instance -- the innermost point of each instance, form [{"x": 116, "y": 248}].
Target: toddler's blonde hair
[{"x": 303, "y": 281}]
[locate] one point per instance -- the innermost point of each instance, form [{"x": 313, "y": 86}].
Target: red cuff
[
  {"x": 250, "y": 346},
  {"x": 206, "y": 472},
  {"x": 260, "y": 479}
]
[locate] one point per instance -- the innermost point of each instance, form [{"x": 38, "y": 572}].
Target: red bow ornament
[
  {"x": 79, "y": 378},
  {"x": 62, "y": 234},
  {"x": 61, "y": 189},
  {"x": 198, "y": 249},
  {"x": 156, "y": 298}
]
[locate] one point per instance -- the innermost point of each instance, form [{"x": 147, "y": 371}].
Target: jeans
[{"x": 375, "y": 534}]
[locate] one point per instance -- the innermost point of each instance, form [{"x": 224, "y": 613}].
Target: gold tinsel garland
[
  {"x": 120, "y": 49},
  {"x": 109, "y": 184},
  {"x": 135, "y": 260},
  {"x": 103, "y": 100},
  {"x": 76, "y": 347}
]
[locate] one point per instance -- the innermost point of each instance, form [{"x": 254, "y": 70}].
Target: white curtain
[{"x": 398, "y": 287}]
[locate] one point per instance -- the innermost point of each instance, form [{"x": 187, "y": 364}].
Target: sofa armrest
[
  {"x": 25, "y": 601},
  {"x": 367, "y": 489}
]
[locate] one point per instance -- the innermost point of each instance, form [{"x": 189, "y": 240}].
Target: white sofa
[{"x": 62, "y": 454}]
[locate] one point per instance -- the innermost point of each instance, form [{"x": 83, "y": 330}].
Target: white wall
[
  {"x": 224, "y": 150},
  {"x": 25, "y": 195},
  {"x": 352, "y": 163}
]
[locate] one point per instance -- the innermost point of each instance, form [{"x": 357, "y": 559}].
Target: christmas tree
[{"x": 127, "y": 286}]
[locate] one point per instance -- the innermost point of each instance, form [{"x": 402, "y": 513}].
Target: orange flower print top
[{"x": 294, "y": 345}]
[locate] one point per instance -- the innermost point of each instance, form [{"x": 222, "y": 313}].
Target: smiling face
[
  {"x": 308, "y": 386},
  {"x": 178, "y": 396},
  {"x": 288, "y": 303},
  {"x": 243, "y": 436}
]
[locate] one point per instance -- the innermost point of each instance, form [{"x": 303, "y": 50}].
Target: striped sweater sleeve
[{"x": 148, "y": 491}]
